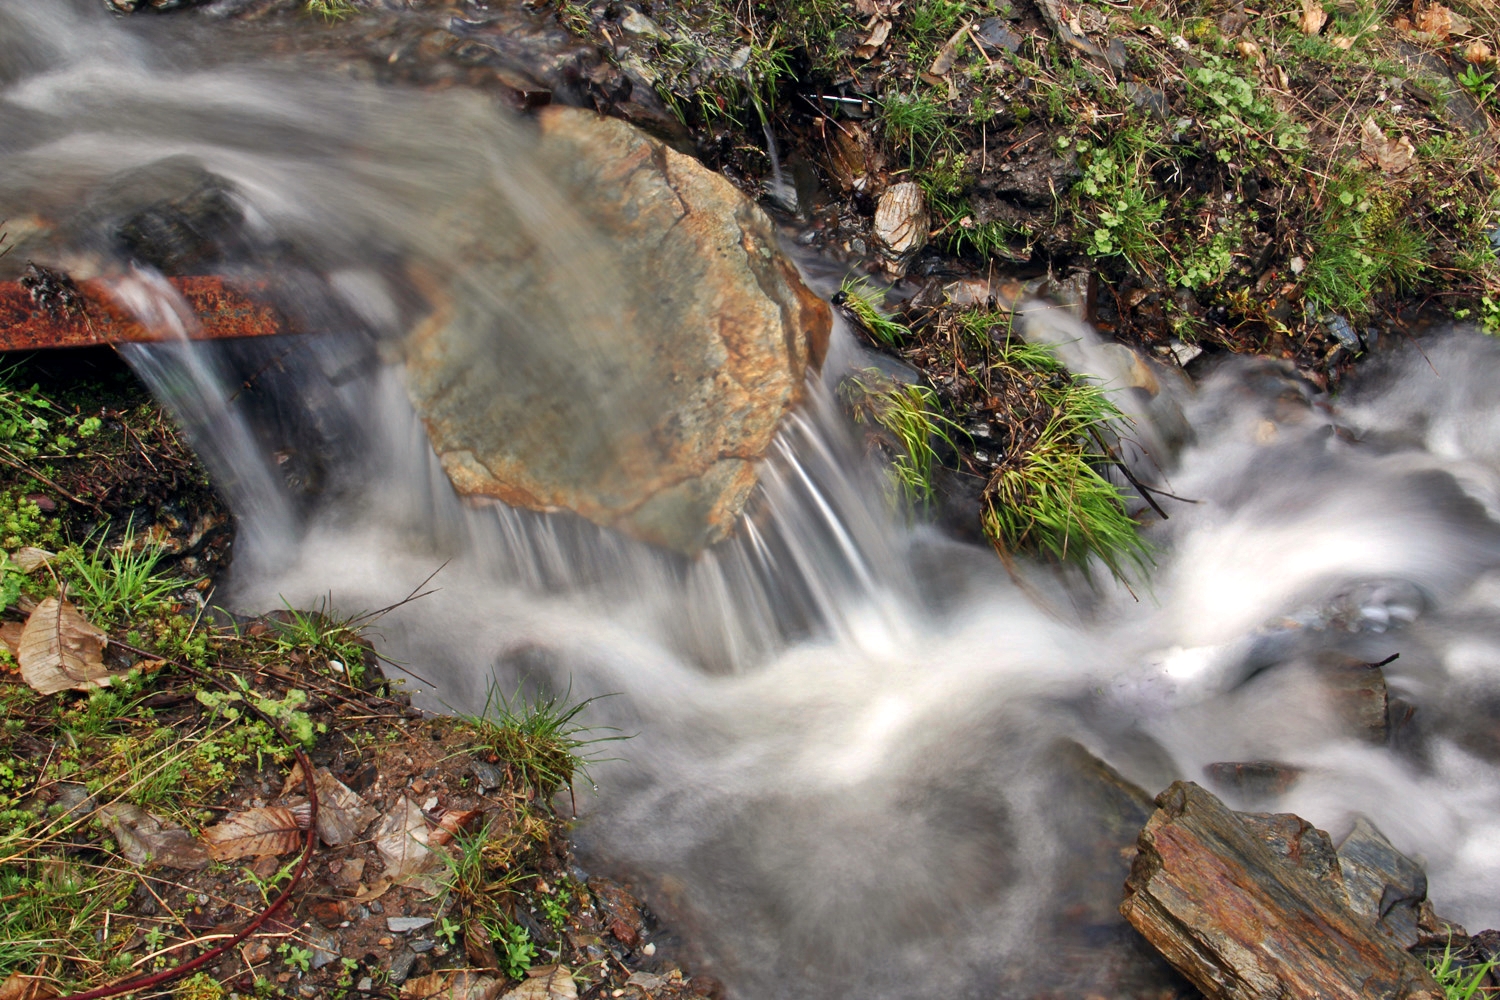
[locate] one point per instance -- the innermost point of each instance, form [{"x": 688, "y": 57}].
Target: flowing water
[{"x": 845, "y": 773}]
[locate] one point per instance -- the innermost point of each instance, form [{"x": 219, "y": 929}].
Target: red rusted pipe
[{"x": 223, "y": 309}]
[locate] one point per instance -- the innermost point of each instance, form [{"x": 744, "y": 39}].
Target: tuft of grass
[
  {"x": 912, "y": 416},
  {"x": 541, "y": 739},
  {"x": 859, "y": 296},
  {"x": 120, "y": 584},
  {"x": 1459, "y": 982},
  {"x": 332, "y": 10},
  {"x": 1363, "y": 245},
  {"x": 321, "y": 635},
  {"x": 917, "y": 121},
  {"x": 1048, "y": 494}
]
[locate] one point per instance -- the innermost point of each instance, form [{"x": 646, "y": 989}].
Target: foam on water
[{"x": 842, "y": 773}]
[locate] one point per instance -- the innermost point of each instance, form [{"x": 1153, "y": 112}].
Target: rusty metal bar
[{"x": 223, "y": 309}]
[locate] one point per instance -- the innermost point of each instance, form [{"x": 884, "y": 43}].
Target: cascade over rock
[{"x": 688, "y": 378}]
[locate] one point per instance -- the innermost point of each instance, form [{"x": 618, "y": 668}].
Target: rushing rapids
[{"x": 844, "y": 773}]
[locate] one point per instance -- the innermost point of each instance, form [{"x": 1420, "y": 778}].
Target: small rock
[
  {"x": 74, "y": 799},
  {"x": 487, "y": 775},
  {"x": 993, "y": 34},
  {"x": 422, "y": 945},
  {"x": 638, "y": 24},
  {"x": 375, "y": 907},
  {"x": 325, "y": 944},
  {"x": 1341, "y": 329},
  {"x": 403, "y": 925},
  {"x": 256, "y": 952},
  {"x": 401, "y": 964},
  {"x": 1185, "y": 353},
  {"x": 901, "y": 219},
  {"x": 365, "y": 985}
]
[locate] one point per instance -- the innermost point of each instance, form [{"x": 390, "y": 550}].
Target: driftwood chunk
[{"x": 1243, "y": 923}]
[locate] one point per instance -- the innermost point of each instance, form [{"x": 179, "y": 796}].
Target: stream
[{"x": 843, "y": 773}]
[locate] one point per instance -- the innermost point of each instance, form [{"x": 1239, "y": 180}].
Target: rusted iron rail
[{"x": 223, "y": 309}]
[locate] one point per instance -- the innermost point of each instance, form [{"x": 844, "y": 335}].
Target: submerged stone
[{"x": 645, "y": 400}]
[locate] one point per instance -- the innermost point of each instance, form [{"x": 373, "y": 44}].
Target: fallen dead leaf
[
  {"x": 401, "y": 839},
  {"x": 462, "y": 985},
  {"x": 1313, "y": 17},
  {"x": 342, "y": 813},
  {"x": 10, "y": 634},
  {"x": 880, "y": 30},
  {"x": 1251, "y": 51},
  {"x": 19, "y": 987},
  {"x": 30, "y": 558},
  {"x": 273, "y": 830},
  {"x": 1344, "y": 42},
  {"x": 377, "y": 889},
  {"x": 1440, "y": 22},
  {"x": 60, "y": 649},
  {"x": 548, "y": 982},
  {"x": 144, "y": 838},
  {"x": 1479, "y": 53},
  {"x": 1392, "y": 156},
  {"x": 948, "y": 53}
]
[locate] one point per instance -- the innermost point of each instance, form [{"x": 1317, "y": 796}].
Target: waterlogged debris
[
  {"x": 272, "y": 830},
  {"x": 1392, "y": 156},
  {"x": 402, "y": 839},
  {"x": 145, "y": 839},
  {"x": 1244, "y": 922},
  {"x": 549, "y": 982},
  {"x": 451, "y": 824},
  {"x": 59, "y": 649}
]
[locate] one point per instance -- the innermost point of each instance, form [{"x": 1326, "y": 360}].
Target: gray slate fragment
[
  {"x": 422, "y": 945},
  {"x": 401, "y": 962},
  {"x": 402, "y": 925},
  {"x": 325, "y": 943}
]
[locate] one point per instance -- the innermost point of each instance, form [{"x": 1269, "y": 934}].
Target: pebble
[
  {"x": 401, "y": 963},
  {"x": 1185, "y": 352},
  {"x": 365, "y": 985},
  {"x": 422, "y": 945},
  {"x": 324, "y": 942},
  {"x": 488, "y": 775},
  {"x": 402, "y": 925},
  {"x": 650, "y": 949},
  {"x": 375, "y": 907}
]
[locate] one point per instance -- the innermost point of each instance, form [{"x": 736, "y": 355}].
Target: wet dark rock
[
  {"x": 488, "y": 776},
  {"x": 1297, "y": 841},
  {"x": 1149, "y": 99},
  {"x": 1253, "y": 780},
  {"x": 402, "y": 961},
  {"x": 1031, "y": 177},
  {"x": 1359, "y": 694},
  {"x": 1382, "y": 884},
  {"x": 995, "y": 35},
  {"x": 621, "y": 911},
  {"x": 1243, "y": 921},
  {"x": 324, "y": 942}
]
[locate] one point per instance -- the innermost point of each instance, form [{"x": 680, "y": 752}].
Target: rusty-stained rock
[
  {"x": 654, "y": 422},
  {"x": 1243, "y": 923},
  {"x": 1358, "y": 693},
  {"x": 901, "y": 219}
]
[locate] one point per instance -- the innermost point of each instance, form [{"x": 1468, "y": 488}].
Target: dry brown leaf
[
  {"x": 145, "y": 839},
  {"x": 342, "y": 813},
  {"x": 1313, "y": 17},
  {"x": 19, "y": 987},
  {"x": 1440, "y": 22},
  {"x": 401, "y": 839},
  {"x": 948, "y": 53},
  {"x": 10, "y": 634},
  {"x": 30, "y": 558},
  {"x": 549, "y": 982},
  {"x": 254, "y": 833},
  {"x": 1251, "y": 51},
  {"x": 59, "y": 649},
  {"x": 880, "y": 30},
  {"x": 1392, "y": 156},
  {"x": 377, "y": 889},
  {"x": 1343, "y": 42},
  {"x": 1478, "y": 53},
  {"x": 462, "y": 985}
]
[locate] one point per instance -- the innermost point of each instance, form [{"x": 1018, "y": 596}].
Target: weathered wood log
[{"x": 1243, "y": 923}]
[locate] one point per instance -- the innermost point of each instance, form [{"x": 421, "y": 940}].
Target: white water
[{"x": 841, "y": 778}]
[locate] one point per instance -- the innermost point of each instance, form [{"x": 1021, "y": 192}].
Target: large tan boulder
[{"x": 634, "y": 365}]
